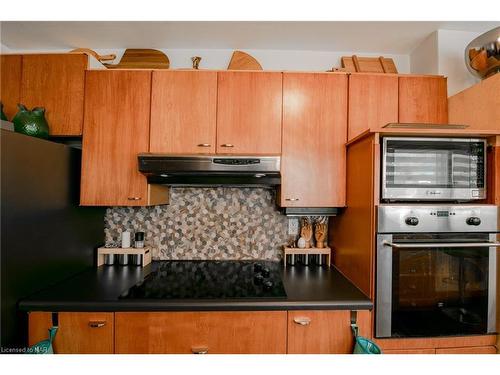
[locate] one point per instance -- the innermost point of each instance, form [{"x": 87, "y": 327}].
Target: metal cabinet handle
[
  {"x": 204, "y": 145},
  {"x": 292, "y": 199},
  {"x": 199, "y": 350},
  {"x": 134, "y": 198},
  {"x": 97, "y": 323},
  {"x": 302, "y": 321},
  {"x": 227, "y": 145},
  {"x": 449, "y": 245}
]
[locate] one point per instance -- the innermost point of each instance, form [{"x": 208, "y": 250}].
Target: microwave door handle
[{"x": 449, "y": 245}]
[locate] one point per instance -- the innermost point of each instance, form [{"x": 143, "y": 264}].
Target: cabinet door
[
  {"x": 183, "y": 112},
  {"x": 423, "y": 99},
  {"x": 324, "y": 331},
  {"x": 314, "y": 136},
  {"x": 249, "y": 113},
  {"x": 373, "y": 102},
  {"x": 56, "y": 82},
  {"x": 468, "y": 350},
  {"x": 117, "y": 106},
  {"x": 10, "y": 84},
  {"x": 78, "y": 333},
  {"x": 201, "y": 332},
  {"x": 478, "y": 106}
]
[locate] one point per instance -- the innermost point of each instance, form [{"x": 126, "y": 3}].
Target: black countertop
[{"x": 99, "y": 289}]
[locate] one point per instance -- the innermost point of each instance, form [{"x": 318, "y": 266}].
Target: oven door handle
[{"x": 442, "y": 245}]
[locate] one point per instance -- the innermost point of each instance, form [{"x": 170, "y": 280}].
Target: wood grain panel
[
  {"x": 117, "y": 107},
  {"x": 56, "y": 82},
  {"x": 468, "y": 350},
  {"x": 10, "y": 83},
  {"x": 75, "y": 335},
  {"x": 373, "y": 102},
  {"x": 218, "y": 332},
  {"x": 496, "y": 175},
  {"x": 328, "y": 331},
  {"x": 410, "y": 351},
  {"x": 423, "y": 100},
  {"x": 249, "y": 113},
  {"x": 352, "y": 234},
  {"x": 183, "y": 112},
  {"x": 477, "y": 106},
  {"x": 314, "y": 137},
  {"x": 436, "y": 342}
]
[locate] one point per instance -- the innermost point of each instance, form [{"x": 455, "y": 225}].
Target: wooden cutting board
[
  {"x": 142, "y": 59},
  {"x": 243, "y": 61},
  {"x": 368, "y": 64}
]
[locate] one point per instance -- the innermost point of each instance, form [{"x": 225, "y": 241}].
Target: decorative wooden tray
[
  {"x": 145, "y": 252},
  {"x": 311, "y": 251}
]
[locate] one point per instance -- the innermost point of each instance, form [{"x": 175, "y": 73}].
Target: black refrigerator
[{"x": 46, "y": 236}]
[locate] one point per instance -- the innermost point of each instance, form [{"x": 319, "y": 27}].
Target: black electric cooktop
[{"x": 211, "y": 280}]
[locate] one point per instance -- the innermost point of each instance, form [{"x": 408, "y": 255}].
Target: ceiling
[{"x": 377, "y": 37}]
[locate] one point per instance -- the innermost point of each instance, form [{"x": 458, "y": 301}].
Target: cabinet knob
[
  {"x": 227, "y": 145},
  {"x": 304, "y": 321},
  {"x": 134, "y": 198},
  {"x": 204, "y": 145},
  {"x": 292, "y": 199},
  {"x": 199, "y": 350},
  {"x": 97, "y": 323}
]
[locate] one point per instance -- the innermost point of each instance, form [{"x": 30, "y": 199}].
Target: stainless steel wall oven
[{"x": 436, "y": 270}]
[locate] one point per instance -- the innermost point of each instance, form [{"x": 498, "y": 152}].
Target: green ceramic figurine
[
  {"x": 2, "y": 115},
  {"x": 31, "y": 122}
]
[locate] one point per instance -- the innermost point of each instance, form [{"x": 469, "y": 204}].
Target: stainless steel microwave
[{"x": 433, "y": 169}]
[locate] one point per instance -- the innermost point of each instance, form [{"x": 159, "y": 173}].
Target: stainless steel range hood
[{"x": 206, "y": 170}]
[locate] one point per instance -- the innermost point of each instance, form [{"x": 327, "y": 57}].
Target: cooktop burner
[{"x": 210, "y": 280}]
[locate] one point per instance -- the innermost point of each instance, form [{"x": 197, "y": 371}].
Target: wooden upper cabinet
[
  {"x": 183, "y": 112},
  {"x": 314, "y": 136},
  {"x": 373, "y": 102},
  {"x": 423, "y": 99},
  {"x": 117, "y": 109},
  {"x": 56, "y": 82},
  {"x": 478, "y": 106},
  {"x": 10, "y": 84},
  {"x": 78, "y": 332},
  {"x": 248, "y": 332},
  {"x": 249, "y": 113}
]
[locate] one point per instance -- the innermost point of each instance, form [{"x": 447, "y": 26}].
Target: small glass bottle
[{"x": 139, "y": 240}]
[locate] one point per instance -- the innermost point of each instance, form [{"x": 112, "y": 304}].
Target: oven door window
[
  {"x": 439, "y": 291},
  {"x": 434, "y": 164}
]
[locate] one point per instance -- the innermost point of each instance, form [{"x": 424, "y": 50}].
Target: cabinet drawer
[
  {"x": 78, "y": 332},
  {"x": 201, "y": 332},
  {"x": 409, "y": 351},
  {"x": 468, "y": 350}
]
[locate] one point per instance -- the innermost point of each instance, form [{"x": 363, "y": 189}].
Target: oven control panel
[{"x": 436, "y": 218}]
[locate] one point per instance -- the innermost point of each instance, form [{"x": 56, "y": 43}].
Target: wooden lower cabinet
[
  {"x": 244, "y": 332},
  {"x": 231, "y": 332},
  {"x": 324, "y": 332},
  {"x": 410, "y": 351},
  {"x": 78, "y": 332},
  {"x": 468, "y": 350}
]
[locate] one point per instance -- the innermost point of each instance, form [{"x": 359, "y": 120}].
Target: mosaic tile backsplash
[{"x": 206, "y": 223}]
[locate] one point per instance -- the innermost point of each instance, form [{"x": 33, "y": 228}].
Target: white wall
[
  {"x": 443, "y": 53},
  {"x": 4, "y": 49},
  {"x": 451, "y": 49},
  {"x": 424, "y": 59},
  {"x": 269, "y": 59}
]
